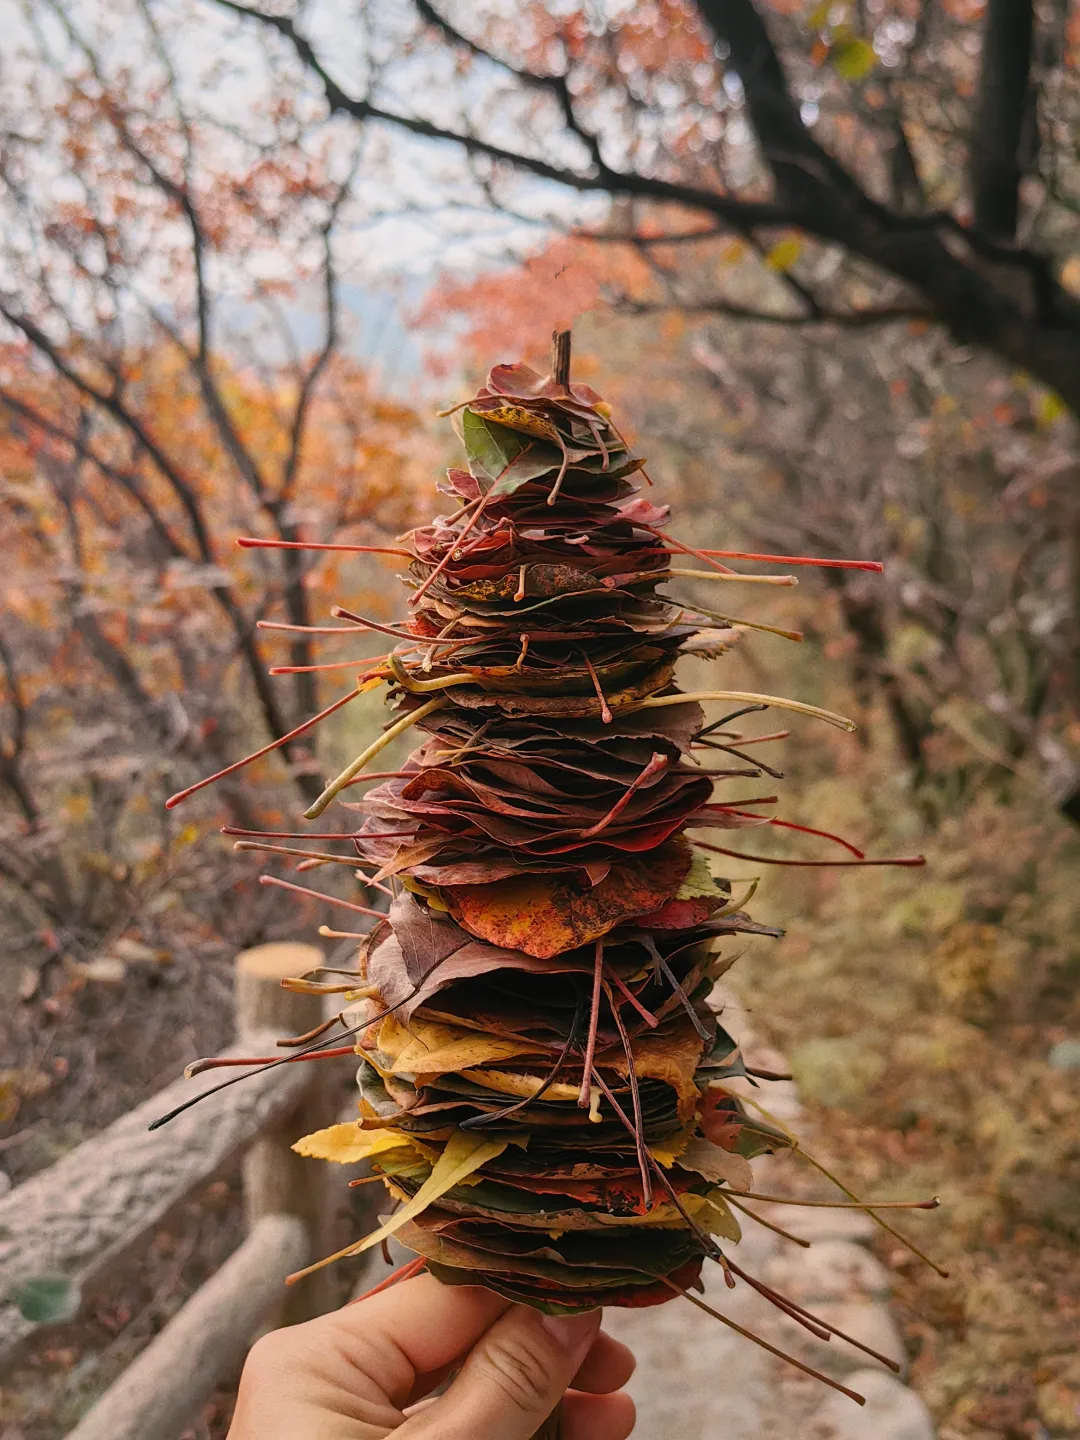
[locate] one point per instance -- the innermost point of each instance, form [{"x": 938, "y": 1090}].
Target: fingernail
[{"x": 570, "y": 1331}]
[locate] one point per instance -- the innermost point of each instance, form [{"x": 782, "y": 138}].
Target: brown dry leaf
[
  {"x": 544, "y": 915},
  {"x": 715, "y": 1163},
  {"x": 671, "y": 1059}
]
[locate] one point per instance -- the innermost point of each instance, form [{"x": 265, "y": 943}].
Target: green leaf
[
  {"x": 534, "y": 461},
  {"x": 48, "y": 1299},
  {"x": 853, "y": 59},
  {"x": 502, "y": 457},
  {"x": 490, "y": 447}
]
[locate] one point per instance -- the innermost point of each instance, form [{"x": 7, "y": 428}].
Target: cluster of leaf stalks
[{"x": 545, "y": 1090}]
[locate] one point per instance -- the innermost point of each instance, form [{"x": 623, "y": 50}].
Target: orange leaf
[{"x": 547, "y": 914}]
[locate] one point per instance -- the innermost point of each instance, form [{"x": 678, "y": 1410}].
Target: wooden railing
[{"x": 77, "y": 1220}]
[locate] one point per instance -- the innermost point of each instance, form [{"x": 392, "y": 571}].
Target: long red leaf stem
[
  {"x": 635, "y": 1099},
  {"x": 252, "y": 542},
  {"x": 647, "y": 1015},
  {"x": 657, "y": 763},
  {"x": 795, "y": 1309},
  {"x": 197, "y": 1067},
  {"x": 803, "y": 830},
  {"x": 404, "y": 1272},
  {"x": 305, "y": 629},
  {"x": 605, "y": 712},
  {"x": 669, "y": 540},
  {"x": 433, "y": 575},
  {"x": 874, "y": 565},
  {"x": 808, "y": 864},
  {"x": 318, "y": 895},
  {"x": 749, "y": 1335},
  {"x": 174, "y": 800}
]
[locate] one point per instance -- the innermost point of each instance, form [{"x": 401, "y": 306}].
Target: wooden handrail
[{"x": 79, "y": 1218}]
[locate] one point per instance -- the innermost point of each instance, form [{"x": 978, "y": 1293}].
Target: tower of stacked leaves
[{"x": 545, "y": 1092}]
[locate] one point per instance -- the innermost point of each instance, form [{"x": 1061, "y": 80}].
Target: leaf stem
[{"x": 398, "y": 728}]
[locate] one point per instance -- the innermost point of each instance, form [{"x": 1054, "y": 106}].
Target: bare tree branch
[
  {"x": 848, "y": 319},
  {"x": 128, "y": 480},
  {"x": 1007, "y": 300},
  {"x": 555, "y": 85},
  {"x": 181, "y": 195},
  {"x": 1003, "y": 113},
  {"x": 736, "y": 212},
  {"x": 12, "y": 752}
]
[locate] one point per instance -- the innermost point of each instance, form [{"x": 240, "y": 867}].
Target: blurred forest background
[{"x": 824, "y": 260}]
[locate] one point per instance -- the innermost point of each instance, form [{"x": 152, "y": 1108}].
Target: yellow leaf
[
  {"x": 1049, "y": 408},
  {"x": 672, "y": 1059},
  {"x": 518, "y": 418},
  {"x": 505, "y": 1082},
  {"x": 346, "y": 1144},
  {"x": 853, "y": 59},
  {"x": 429, "y": 892},
  {"x": 784, "y": 254},
  {"x": 669, "y": 1150},
  {"x": 429, "y": 1049},
  {"x": 463, "y": 1155},
  {"x": 717, "y": 1217},
  {"x": 699, "y": 881},
  {"x": 739, "y": 901}
]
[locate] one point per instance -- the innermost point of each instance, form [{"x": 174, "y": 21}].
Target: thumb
[{"x": 512, "y": 1381}]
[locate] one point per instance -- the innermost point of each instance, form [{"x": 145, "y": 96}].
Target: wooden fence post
[{"x": 277, "y": 1181}]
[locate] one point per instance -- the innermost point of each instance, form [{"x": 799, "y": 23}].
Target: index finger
[{"x": 417, "y": 1327}]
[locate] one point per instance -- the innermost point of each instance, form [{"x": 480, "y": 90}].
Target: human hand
[{"x": 358, "y": 1374}]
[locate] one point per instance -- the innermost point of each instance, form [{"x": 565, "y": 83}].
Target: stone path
[{"x": 698, "y": 1380}]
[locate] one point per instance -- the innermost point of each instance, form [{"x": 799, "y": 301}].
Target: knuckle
[
  {"x": 512, "y": 1362},
  {"x": 268, "y": 1352}
]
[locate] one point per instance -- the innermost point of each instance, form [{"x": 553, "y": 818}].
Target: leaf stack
[
  {"x": 544, "y": 1096},
  {"x": 545, "y": 1090}
]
